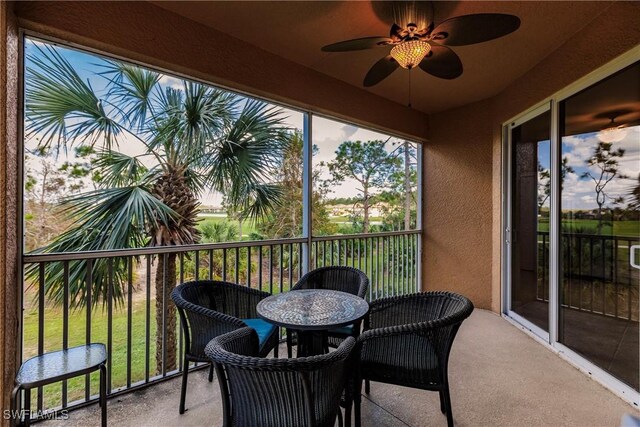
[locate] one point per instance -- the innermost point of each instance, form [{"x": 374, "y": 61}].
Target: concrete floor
[{"x": 499, "y": 377}]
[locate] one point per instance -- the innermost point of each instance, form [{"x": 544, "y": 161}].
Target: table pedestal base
[{"x": 311, "y": 343}]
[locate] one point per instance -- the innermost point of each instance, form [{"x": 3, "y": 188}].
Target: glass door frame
[
  {"x": 550, "y": 339},
  {"x": 508, "y": 223}
]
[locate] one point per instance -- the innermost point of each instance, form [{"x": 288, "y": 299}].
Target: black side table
[
  {"x": 58, "y": 366},
  {"x": 311, "y": 313}
]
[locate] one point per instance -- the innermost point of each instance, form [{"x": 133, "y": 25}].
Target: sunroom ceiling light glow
[{"x": 410, "y": 53}]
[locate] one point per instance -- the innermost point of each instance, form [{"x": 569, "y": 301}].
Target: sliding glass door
[
  {"x": 600, "y": 223},
  {"x": 572, "y": 224},
  {"x": 530, "y": 185}
]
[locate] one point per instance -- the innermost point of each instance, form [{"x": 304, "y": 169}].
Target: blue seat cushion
[
  {"x": 344, "y": 330},
  {"x": 262, "y": 328}
]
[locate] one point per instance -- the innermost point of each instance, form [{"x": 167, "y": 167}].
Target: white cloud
[{"x": 172, "y": 82}]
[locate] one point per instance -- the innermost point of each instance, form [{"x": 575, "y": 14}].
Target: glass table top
[{"x": 312, "y": 309}]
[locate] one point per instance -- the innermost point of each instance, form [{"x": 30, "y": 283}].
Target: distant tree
[
  {"x": 398, "y": 205},
  {"x": 45, "y": 185},
  {"x": 369, "y": 164},
  {"x": 285, "y": 220},
  {"x": 544, "y": 180},
  {"x": 634, "y": 196},
  {"x": 604, "y": 168}
]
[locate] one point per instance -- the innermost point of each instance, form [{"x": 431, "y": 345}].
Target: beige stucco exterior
[
  {"x": 462, "y": 210},
  {"x": 8, "y": 200},
  {"x": 462, "y": 156}
]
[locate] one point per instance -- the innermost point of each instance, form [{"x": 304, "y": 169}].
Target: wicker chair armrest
[
  {"x": 216, "y": 351},
  {"x": 378, "y": 307},
  {"x": 413, "y": 328}
]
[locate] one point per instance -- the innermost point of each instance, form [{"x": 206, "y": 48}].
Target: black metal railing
[
  {"x": 597, "y": 275},
  {"x": 110, "y": 297}
]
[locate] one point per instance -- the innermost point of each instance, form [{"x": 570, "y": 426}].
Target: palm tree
[{"x": 195, "y": 138}]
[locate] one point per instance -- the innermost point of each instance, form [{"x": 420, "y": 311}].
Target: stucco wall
[
  {"x": 462, "y": 215},
  {"x": 9, "y": 193}
]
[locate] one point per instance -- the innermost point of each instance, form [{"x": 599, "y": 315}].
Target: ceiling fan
[{"x": 427, "y": 46}]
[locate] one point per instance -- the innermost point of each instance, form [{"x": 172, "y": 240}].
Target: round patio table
[{"x": 312, "y": 313}]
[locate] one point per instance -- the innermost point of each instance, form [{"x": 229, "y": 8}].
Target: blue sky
[{"x": 327, "y": 134}]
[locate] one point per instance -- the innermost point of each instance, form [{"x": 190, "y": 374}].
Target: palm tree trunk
[{"x": 165, "y": 322}]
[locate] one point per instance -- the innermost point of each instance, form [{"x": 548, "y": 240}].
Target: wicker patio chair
[
  {"x": 210, "y": 308},
  {"x": 406, "y": 341},
  {"x": 337, "y": 278},
  {"x": 278, "y": 392}
]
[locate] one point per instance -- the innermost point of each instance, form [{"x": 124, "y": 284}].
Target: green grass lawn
[
  {"x": 248, "y": 227},
  {"x": 77, "y": 326},
  {"x": 620, "y": 228}
]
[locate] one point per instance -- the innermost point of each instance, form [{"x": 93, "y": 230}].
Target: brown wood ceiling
[{"x": 297, "y": 31}]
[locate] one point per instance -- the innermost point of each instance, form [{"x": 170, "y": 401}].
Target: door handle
[{"x": 632, "y": 256}]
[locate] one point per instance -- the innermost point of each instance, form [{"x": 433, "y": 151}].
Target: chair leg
[
  {"x": 442, "y": 402},
  {"x": 275, "y": 349},
  {"x": 289, "y": 344},
  {"x": 367, "y": 386},
  {"x": 447, "y": 403},
  {"x": 103, "y": 394},
  {"x": 340, "y": 424},
  {"x": 347, "y": 414},
  {"x": 183, "y": 390},
  {"x": 211, "y": 373},
  {"x": 357, "y": 403}
]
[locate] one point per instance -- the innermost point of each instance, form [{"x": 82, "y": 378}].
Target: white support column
[
  {"x": 307, "y": 190},
  {"x": 419, "y": 206},
  {"x": 554, "y": 225}
]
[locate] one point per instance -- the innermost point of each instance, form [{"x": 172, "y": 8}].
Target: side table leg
[
  {"x": 15, "y": 414},
  {"x": 27, "y": 407},
  {"x": 103, "y": 394}
]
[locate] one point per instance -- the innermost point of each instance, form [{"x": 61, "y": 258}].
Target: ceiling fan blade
[
  {"x": 478, "y": 28},
  {"x": 355, "y": 44},
  {"x": 442, "y": 62},
  {"x": 395, "y": 31},
  {"x": 380, "y": 71}
]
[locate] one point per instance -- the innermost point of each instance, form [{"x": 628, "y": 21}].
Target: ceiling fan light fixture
[
  {"x": 613, "y": 132},
  {"x": 410, "y": 53}
]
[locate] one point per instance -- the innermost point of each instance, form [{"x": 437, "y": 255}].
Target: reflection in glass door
[
  {"x": 600, "y": 223},
  {"x": 530, "y": 192}
]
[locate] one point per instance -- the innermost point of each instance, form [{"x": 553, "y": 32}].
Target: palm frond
[
  {"x": 112, "y": 218},
  {"x": 250, "y": 150},
  {"x": 60, "y": 106},
  {"x": 117, "y": 169},
  {"x": 259, "y": 200},
  {"x": 133, "y": 89}
]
